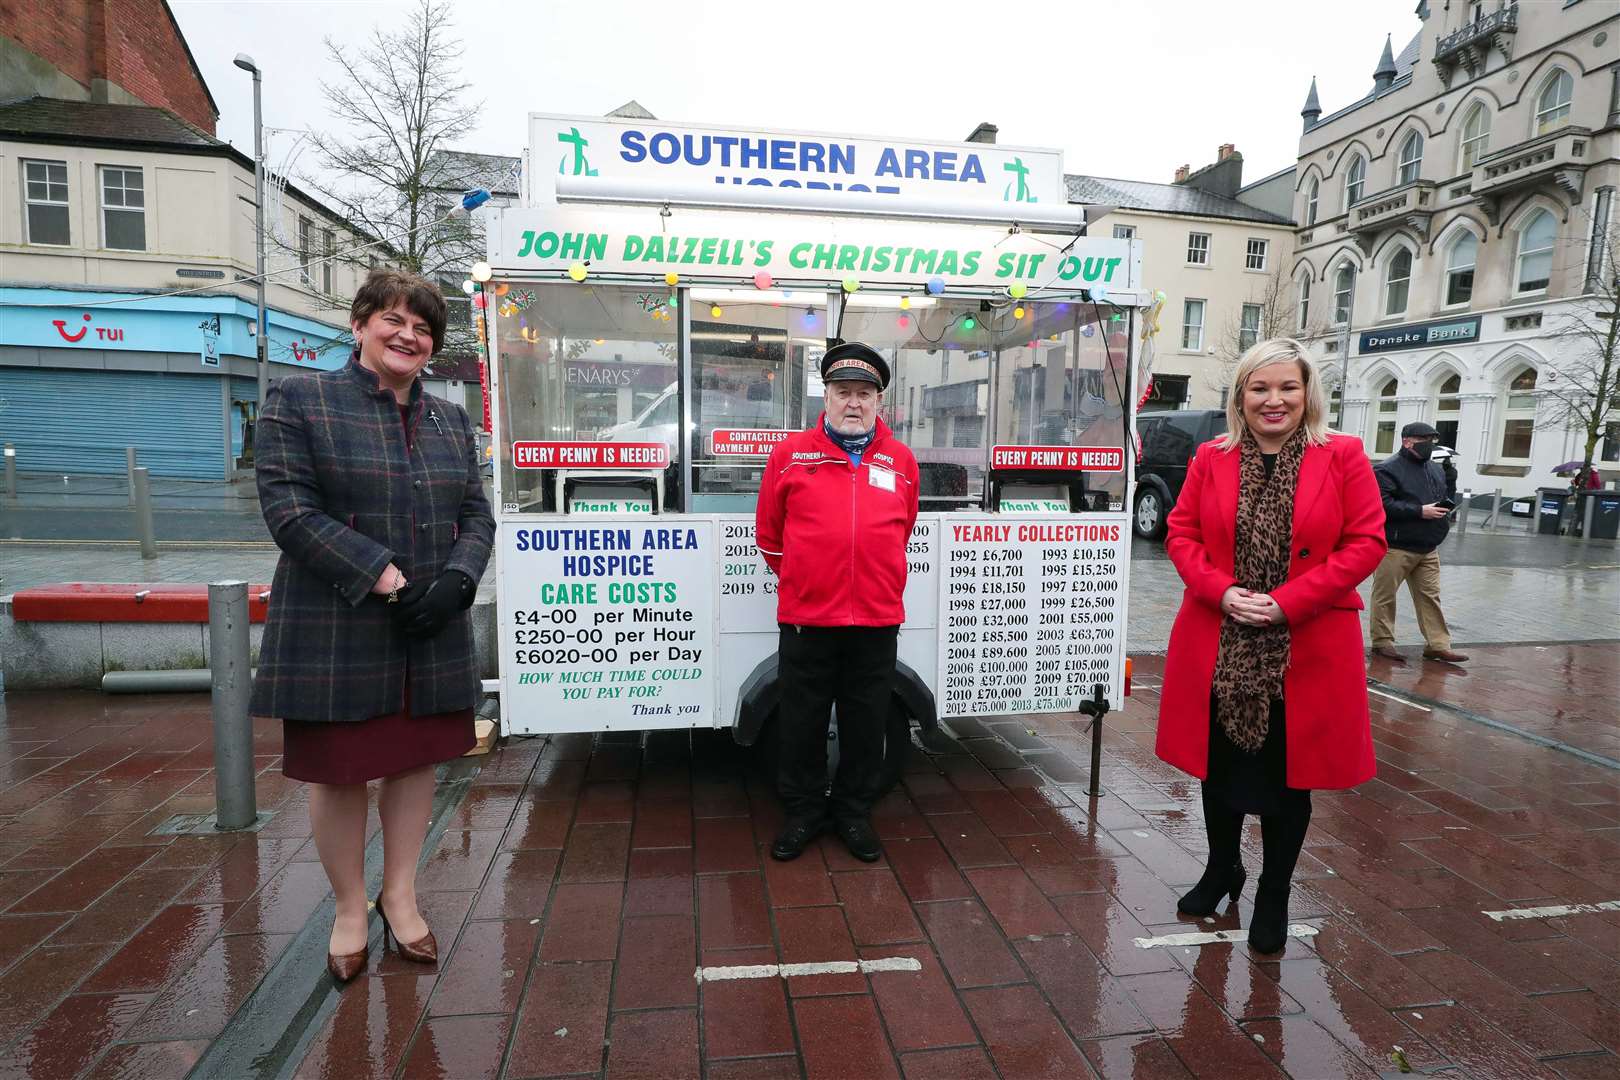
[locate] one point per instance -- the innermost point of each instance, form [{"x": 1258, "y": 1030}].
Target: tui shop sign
[
  {"x": 1420, "y": 335},
  {"x": 734, "y": 247},
  {"x": 611, "y": 157}
]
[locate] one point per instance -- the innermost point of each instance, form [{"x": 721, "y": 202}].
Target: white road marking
[
  {"x": 1552, "y": 912},
  {"x": 786, "y": 971},
  {"x": 1403, "y": 701},
  {"x": 1299, "y": 930}
]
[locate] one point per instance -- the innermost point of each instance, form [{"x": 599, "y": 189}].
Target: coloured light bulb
[
  {"x": 715, "y": 311},
  {"x": 968, "y": 323}
]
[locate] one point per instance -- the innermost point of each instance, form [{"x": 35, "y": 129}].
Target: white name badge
[{"x": 881, "y": 478}]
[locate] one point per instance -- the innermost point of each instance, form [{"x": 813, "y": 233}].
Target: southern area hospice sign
[{"x": 585, "y": 155}]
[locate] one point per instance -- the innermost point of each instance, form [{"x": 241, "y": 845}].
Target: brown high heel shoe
[
  {"x": 423, "y": 951},
  {"x": 344, "y": 968}
]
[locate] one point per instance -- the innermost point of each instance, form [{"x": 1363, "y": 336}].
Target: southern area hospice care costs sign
[
  {"x": 610, "y": 624},
  {"x": 690, "y": 162},
  {"x": 1032, "y": 614},
  {"x": 722, "y": 244}
]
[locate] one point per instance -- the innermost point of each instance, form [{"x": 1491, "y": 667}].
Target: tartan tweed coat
[{"x": 344, "y": 495}]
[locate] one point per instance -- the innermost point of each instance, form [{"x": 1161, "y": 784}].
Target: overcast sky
[{"x": 1126, "y": 88}]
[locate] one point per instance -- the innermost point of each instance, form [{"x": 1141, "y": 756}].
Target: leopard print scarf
[{"x": 1252, "y": 659}]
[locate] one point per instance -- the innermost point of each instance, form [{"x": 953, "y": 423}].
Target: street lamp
[{"x": 261, "y": 337}]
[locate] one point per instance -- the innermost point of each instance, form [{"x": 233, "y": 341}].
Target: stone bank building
[{"x": 1450, "y": 221}]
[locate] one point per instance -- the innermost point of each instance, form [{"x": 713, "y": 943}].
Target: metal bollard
[
  {"x": 11, "y": 472},
  {"x": 143, "y": 513},
  {"x": 129, "y": 468},
  {"x": 1495, "y": 521},
  {"x": 1589, "y": 508},
  {"x": 235, "y": 802},
  {"x": 1464, "y": 504}
]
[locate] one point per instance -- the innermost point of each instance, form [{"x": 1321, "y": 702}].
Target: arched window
[
  {"x": 1447, "y": 408},
  {"x": 1411, "y": 160},
  {"x": 1344, "y": 284},
  {"x": 1304, "y": 300},
  {"x": 1314, "y": 191},
  {"x": 1519, "y": 415},
  {"x": 1460, "y": 258},
  {"x": 1552, "y": 104},
  {"x": 1384, "y": 418},
  {"x": 1476, "y": 134},
  {"x": 1397, "y": 281},
  {"x": 1354, "y": 178},
  {"x": 1534, "y": 263}
]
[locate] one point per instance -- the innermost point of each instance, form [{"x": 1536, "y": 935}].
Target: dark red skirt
[{"x": 352, "y": 752}]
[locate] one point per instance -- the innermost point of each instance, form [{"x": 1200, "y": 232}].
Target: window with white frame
[
  {"x": 1192, "y": 325},
  {"x": 1305, "y": 300},
  {"x": 1460, "y": 259},
  {"x": 1384, "y": 418},
  {"x": 1198, "y": 249},
  {"x": 328, "y": 256},
  {"x": 1335, "y": 409},
  {"x": 1344, "y": 284},
  {"x": 1534, "y": 263},
  {"x": 1248, "y": 327},
  {"x": 1254, "y": 254},
  {"x": 306, "y": 250},
  {"x": 1411, "y": 159},
  {"x": 1552, "y": 104},
  {"x": 1397, "y": 281},
  {"x": 1312, "y": 197},
  {"x": 1476, "y": 134},
  {"x": 1124, "y": 232},
  {"x": 1519, "y": 415},
  {"x": 123, "y": 208},
  {"x": 1448, "y": 409},
  {"x": 45, "y": 202},
  {"x": 1355, "y": 178}
]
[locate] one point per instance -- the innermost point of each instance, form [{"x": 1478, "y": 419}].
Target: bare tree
[
  {"x": 401, "y": 97},
  {"x": 1278, "y": 316},
  {"x": 1583, "y": 391}
]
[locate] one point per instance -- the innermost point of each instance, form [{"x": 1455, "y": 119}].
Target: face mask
[{"x": 1423, "y": 450}]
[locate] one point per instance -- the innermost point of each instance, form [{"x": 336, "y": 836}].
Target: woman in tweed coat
[{"x": 372, "y": 490}]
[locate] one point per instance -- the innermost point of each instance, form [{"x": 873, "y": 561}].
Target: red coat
[
  {"x": 1338, "y": 540},
  {"x": 834, "y": 534}
]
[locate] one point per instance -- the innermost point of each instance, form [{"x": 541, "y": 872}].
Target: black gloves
[{"x": 423, "y": 610}]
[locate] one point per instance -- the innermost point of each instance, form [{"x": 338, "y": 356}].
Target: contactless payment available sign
[
  {"x": 610, "y": 624},
  {"x": 611, "y": 157},
  {"x": 740, "y": 442}
]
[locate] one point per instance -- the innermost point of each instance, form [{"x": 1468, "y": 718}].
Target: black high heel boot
[
  {"x": 1282, "y": 835},
  {"x": 1223, "y": 873}
]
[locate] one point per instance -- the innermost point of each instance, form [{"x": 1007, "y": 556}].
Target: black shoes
[
  {"x": 1216, "y": 883},
  {"x": 1268, "y": 928},
  {"x": 860, "y": 839},
  {"x": 794, "y": 838}
]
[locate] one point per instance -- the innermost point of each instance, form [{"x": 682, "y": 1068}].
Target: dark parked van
[{"x": 1168, "y": 442}]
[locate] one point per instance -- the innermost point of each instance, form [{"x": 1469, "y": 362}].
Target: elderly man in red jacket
[{"x": 835, "y": 510}]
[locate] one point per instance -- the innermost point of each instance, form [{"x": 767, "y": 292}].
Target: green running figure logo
[
  {"x": 1020, "y": 171},
  {"x": 582, "y": 167}
]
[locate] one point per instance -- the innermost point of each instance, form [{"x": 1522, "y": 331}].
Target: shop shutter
[{"x": 64, "y": 421}]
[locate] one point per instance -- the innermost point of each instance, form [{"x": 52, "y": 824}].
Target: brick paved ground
[{"x": 579, "y": 883}]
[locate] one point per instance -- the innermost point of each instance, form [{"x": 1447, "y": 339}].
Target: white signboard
[
  {"x": 614, "y": 157},
  {"x": 1032, "y": 613},
  {"x": 732, "y": 247},
  {"x": 607, "y": 624}
]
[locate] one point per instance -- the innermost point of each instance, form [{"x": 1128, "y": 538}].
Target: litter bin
[
  {"x": 1551, "y": 506},
  {"x": 1605, "y": 514}
]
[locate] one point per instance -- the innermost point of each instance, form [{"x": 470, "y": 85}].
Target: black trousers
[{"x": 819, "y": 666}]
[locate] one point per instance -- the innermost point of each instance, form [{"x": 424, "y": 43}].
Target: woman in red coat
[{"x": 1265, "y": 687}]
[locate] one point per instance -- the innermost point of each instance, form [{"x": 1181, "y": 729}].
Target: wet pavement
[{"x": 576, "y": 885}]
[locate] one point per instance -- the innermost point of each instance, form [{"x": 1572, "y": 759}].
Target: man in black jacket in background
[{"x": 1418, "y": 499}]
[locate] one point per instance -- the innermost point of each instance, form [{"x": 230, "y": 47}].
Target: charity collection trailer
[{"x": 655, "y": 312}]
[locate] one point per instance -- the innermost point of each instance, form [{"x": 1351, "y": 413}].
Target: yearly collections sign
[
  {"x": 611, "y": 157},
  {"x": 734, "y": 247}
]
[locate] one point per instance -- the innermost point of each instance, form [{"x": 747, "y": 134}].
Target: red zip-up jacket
[{"x": 835, "y": 534}]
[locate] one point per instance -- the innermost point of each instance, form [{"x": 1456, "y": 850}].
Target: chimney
[
  {"x": 1181, "y": 173},
  {"x": 984, "y": 133},
  {"x": 1224, "y": 151}
]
